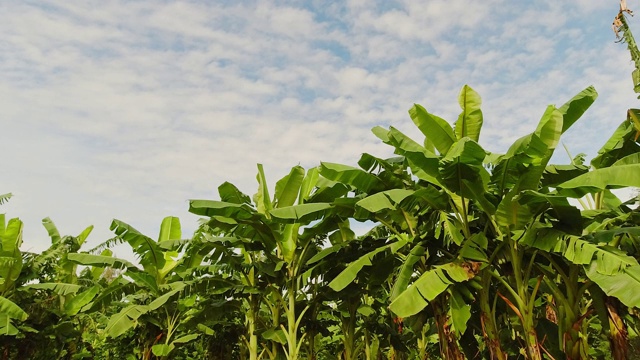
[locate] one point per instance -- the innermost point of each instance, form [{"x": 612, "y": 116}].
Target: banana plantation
[{"x": 471, "y": 255}]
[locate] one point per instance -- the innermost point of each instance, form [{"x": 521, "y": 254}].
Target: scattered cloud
[{"x": 127, "y": 109}]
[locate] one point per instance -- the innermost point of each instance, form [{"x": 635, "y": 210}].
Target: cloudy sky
[{"x": 127, "y": 109}]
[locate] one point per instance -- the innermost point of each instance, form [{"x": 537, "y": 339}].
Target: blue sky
[{"x": 127, "y": 109}]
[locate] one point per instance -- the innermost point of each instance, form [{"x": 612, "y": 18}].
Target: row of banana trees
[{"x": 472, "y": 255}]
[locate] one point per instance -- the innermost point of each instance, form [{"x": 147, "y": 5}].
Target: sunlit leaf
[
  {"x": 430, "y": 284},
  {"x": 170, "y": 229},
  {"x": 288, "y": 187},
  {"x": 261, "y": 198},
  {"x": 623, "y": 285},
  {"x": 436, "y": 129},
  {"x": 600, "y": 179},
  {"x": 349, "y": 274},
  {"x": 355, "y": 177},
  {"x": 59, "y": 288},
  {"x": 73, "y": 306},
  {"x": 469, "y": 121},
  {"x": 11, "y": 310},
  {"x": 573, "y": 109}
]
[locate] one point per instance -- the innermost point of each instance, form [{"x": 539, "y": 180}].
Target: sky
[{"x": 128, "y": 109}]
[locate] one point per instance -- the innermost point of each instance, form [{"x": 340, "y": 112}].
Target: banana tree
[
  {"x": 51, "y": 275},
  {"x": 465, "y": 200},
  {"x": 57, "y": 273},
  {"x": 605, "y": 251},
  {"x": 378, "y": 198},
  {"x": 155, "y": 296},
  {"x": 355, "y": 290},
  {"x": 272, "y": 229},
  {"x": 10, "y": 268},
  {"x": 49, "y": 288}
]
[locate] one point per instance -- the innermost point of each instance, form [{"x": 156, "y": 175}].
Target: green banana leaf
[
  {"x": 606, "y": 260},
  {"x": 11, "y": 310},
  {"x": 144, "y": 280},
  {"x": 161, "y": 300},
  {"x": 10, "y": 268},
  {"x": 308, "y": 184},
  {"x": 550, "y": 127},
  {"x": 59, "y": 288},
  {"x": 557, "y": 174},
  {"x": 220, "y": 208},
  {"x": 544, "y": 237},
  {"x": 4, "y": 198},
  {"x": 601, "y": 179},
  {"x": 475, "y": 248},
  {"x": 422, "y": 162},
  {"x": 470, "y": 120},
  {"x": 151, "y": 256},
  {"x": 124, "y": 320},
  {"x": 623, "y": 285},
  {"x": 127, "y": 318},
  {"x": 459, "y": 312},
  {"x": 427, "y": 196},
  {"x": 99, "y": 261},
  {"x": 288, "y": 187},
  {"x": 349, "y": 274},
  {"x": 185, "y": 339},
  {"x": 288, "y": 241},
  {"x": 304, "y": 213},
  {"x": 261, "y": 198},
  {"x": 6, "y": 326},
  {"x": 325, "y": 252},
  {"x": 162, "y": 349},
  {"x": 619, "y": 145},
  {"x": 73, "y": 306},
  {"x": 11, "y": 238},
  {"x": 355, "y": 177},
  {"x": 229, "y": 193},
  {"x": 573, "y": 109},
  {"x": 462, "y": 171},
  {"x": 429, "y": 285},
  {"x": 52, "y": 230},
  {"x": 434, "y": 128},
  {"x": 170, "y": 229},
  {"x": 511, "y": 214},
  {"x": 628, "y": 160},
  {"x": 82, "y": 237},
  {"x": 385, "y": 200},
  {"x": 406, "y": 271},
  {"x": 606, "y": 236},
  {"x": 113, "y": 292}
]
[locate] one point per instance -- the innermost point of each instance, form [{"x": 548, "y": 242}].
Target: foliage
[{"x": 471, "y": 255}]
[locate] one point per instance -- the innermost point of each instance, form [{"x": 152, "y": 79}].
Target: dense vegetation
[{"x": 472, "y": 255}]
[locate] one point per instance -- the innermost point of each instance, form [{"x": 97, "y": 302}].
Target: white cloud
[{"x": 127, "y": 109}]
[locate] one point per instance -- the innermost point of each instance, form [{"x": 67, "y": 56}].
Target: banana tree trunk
[
  {"x": 275, "y": 321},
  {"x": 251, "y": 328},
  {"x": 349, "y": 332},
  {"x": 487, "y": 318},
  {"x": 292, "y": 329},
  {"x": 618, "y": 335},
  {"x": 523, "y": 297},
  {"x": 449, "y": 348},
  {"x": 367, "y": 344},
  {"x": 533, "y": 347},
  {"x": 571, "y": 321}
]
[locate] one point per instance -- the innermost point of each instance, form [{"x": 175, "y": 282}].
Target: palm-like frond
[
  {"x": 5, "y": 197},
  {"x": 107, "y": 244}
]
